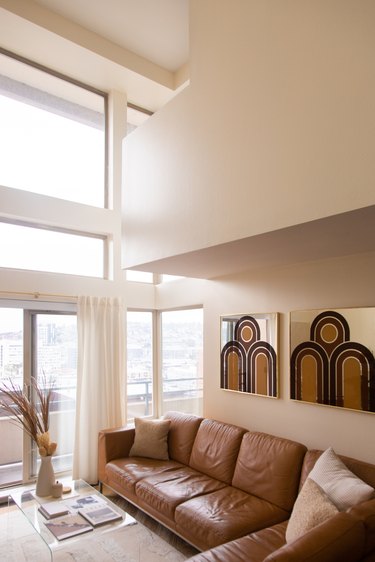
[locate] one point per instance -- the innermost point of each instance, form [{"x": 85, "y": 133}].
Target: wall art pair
[{"x": 331, "y": 356}]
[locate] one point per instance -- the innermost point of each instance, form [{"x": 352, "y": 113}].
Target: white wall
[
  {"x": 317, "y": 285},
  {"x": 345, "y": 282},
  {"x": 275, "y": 129}
]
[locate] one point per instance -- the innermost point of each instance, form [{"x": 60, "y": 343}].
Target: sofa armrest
[
  {"x": 113, "y": 444},
  {"x": 365, "y": 511},
  {"x": 340, "y": 538}
]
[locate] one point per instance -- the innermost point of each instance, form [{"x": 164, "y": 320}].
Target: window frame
[
  {"x": 62, "y": 230},
  {"x": 157, "y": 355}
]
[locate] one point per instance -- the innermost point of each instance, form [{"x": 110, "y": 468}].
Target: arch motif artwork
[
  {"x": 329, "y": 368},
  {"x": 248, "y": 354}
]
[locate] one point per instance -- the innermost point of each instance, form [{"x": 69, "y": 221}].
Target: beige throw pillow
[
  {"x": 311, "y": 507},
  {"x": 343, "y": 487},
  {"x": 151, "y": 439}
]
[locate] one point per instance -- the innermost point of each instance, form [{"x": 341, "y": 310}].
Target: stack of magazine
[{"x": 77, "y": 515}]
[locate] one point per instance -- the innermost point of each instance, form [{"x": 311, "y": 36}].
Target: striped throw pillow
[{"x": 342, "y": 487}]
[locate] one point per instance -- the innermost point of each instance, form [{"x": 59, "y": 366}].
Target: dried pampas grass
[{"x": 32, "y": 416}]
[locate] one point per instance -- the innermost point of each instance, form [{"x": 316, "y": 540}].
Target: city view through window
[
  {"x": 182, "y": 361},
  {"x": 181, "y": 346},
  {"x": 54, "y": 347}
]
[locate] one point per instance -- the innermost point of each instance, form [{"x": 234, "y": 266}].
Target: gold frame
[
  {"x": 249, "y": 353},
  {"x": 331, "y": 358}
]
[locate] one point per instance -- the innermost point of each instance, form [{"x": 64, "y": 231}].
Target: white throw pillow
[
  {"x": 151, "y": 439},
  {"x": 342, "y": 487},
  {"x": 311, "y": 507}
]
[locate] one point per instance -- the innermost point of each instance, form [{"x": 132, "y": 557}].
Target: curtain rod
[{"x": 36, "y": 295}]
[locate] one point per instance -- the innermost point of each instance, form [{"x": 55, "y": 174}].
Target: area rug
[
  {"x": 173, "y": 540},
  {"x": 134, "y": 543}
]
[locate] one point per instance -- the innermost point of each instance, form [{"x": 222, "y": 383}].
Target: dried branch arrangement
[{"x": 33, "y": 417}]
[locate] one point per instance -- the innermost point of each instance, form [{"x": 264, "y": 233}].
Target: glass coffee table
[
  {"x": 119, "y": 540},
  {"x": 18, "y": 540}
]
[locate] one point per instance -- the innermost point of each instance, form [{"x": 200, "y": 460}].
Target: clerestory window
[{"x": 52, "y": 134}]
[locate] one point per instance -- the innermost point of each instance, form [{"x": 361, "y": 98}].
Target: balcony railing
[{"x": 184, "y": 394}]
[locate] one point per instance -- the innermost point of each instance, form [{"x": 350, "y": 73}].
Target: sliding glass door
[
  {"x": 11, "y": 368},
  {"x": 40, "y": 345},
  {"x": 54, "y": 353}
]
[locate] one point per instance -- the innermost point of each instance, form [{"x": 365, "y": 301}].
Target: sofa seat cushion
[
  {"x": 224, "y": 515},
  {"x": 166, "y": 490},
  {"x": 251, "y": 548},
  {"x": 127, "y": 472}
]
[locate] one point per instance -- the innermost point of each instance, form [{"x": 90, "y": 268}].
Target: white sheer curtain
[{"x": 100, "y": 378}]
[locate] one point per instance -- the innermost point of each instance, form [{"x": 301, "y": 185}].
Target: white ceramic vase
[{"x": 46, "y": 477}]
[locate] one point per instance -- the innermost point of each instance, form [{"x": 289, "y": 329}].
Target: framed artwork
[
  {"x": 249, "y": 361},
  {"x": 332, "y": 359}
]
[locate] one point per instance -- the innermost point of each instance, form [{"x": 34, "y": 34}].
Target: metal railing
[{"x": 179, "y": 393}]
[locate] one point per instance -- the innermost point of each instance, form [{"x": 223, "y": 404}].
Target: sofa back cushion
[
  {"x": 365, "y": 471},
  {"x": 216, "y": 448},
  {"x": 182, "y": 432},
  {"x": 269, "y": 467}
]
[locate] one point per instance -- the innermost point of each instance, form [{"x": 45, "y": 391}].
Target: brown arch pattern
[
  {"x": 246, "y": 325},
  {"x": 325, "y": 320},
  {"x": 248, "y": 350},
  {"x": 320, "y": 357},
  {"x": 225, "y": 374},
  {"x": 365, "y": 359},
  {"x": 331, "y": 357},
  {"x": 252, "y": 375}
]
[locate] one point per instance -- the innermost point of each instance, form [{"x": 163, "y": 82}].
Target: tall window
[
  {"x": 43, "y": 346},
  {"x": 140, "y": 364},
  {"x": 164, "y": 367},
  {"x": 182, "y": 360},
  {"x": 52, "y": 134},
  {"x": 53, "y": 143}
]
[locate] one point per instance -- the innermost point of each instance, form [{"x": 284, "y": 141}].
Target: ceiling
[
  {"x": 336, "y": 236},
  {"x": 157, "y": 30}
]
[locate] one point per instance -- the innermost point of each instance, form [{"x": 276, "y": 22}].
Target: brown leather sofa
[{"x": 229, "y": 491}]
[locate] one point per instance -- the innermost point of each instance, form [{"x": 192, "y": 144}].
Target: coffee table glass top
[
  {"x": 81, "y": 495},
  {"x": 117, "y": 541},
  {"x": 18, "y": 540}
]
